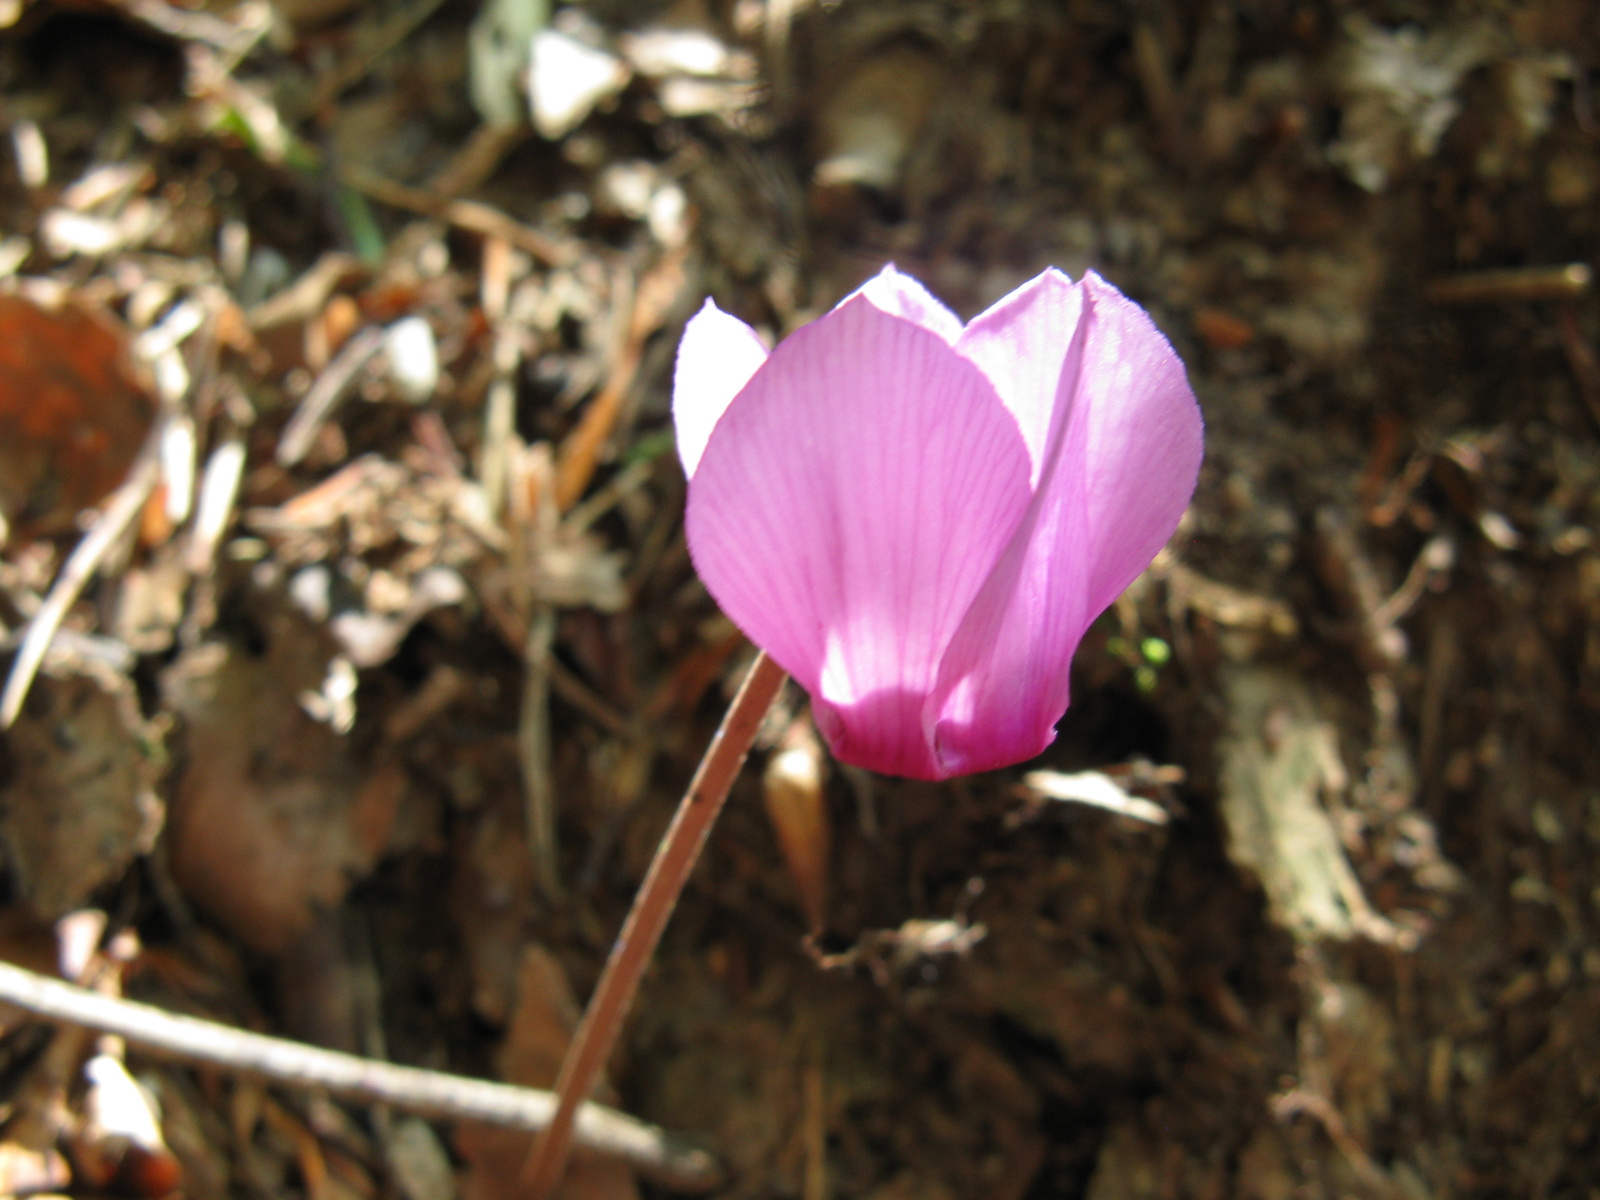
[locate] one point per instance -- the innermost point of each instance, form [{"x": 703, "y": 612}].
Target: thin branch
[
  {"x": 471, "y": 215},
  {"x": 317, "y": 405},
  {"x": 658, "y": 895},
  {"x": 86, "y": 557},
  {"x": 432, "y": 1092},
  {"x": 533, "y": 751}
]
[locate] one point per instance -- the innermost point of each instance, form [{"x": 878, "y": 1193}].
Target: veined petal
[
  {"x": 902, "y": 296},
  {"x": 716, "y": 358},
  {"x": 845, "y": 512},
  {"x": 1121, "y": 461},
  {"x": 1021, "y": 344},
  {"x": 1142, "y": 441}
]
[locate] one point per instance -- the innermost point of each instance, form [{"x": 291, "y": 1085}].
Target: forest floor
[{"x": 366, "y": 722}]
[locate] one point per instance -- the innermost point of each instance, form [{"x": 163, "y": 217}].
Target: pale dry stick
[
  {"x": 517, "y": 480},
  {"x": 658, "y": 895},
  {"x": 324, "y": 395},
  {"x": 434, "y": 1093},
  {"x": 479, "y": 157},
  {"x": 776, "y": 21},
  {"x": 1437, "y": 557},
  {"x": 1570, "y": 281},
  {"x": 472, "y": 215},
  {"x": 500, "y": 440},
  {"x": 187, "y": 26},
  {"x": 603, "y": 499},
  {"x": 86, "y": 557},
  {"x": 219, "y": 496},
  {"x": 304, "y": 298},
  {"x": 533, "y": 750}
]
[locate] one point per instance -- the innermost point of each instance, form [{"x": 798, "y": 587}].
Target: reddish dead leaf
[
  {"x": 155, "y": 523},
  {"x": 546, "y": 1014},
  {"x": 491, "y": 890},
  {"x": 327, "y": 333},
  {"x": 390, "y": 299},
  {"x": 1222, "y": 330},
  {"x": 73, "y": 412},
  {"x": 233, "y": 330},
  {"x": 1380, "y": 461},
  {"x": 270, "y": 822}
]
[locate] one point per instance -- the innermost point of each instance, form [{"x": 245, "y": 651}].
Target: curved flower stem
[{"x": 658, "y": 895}]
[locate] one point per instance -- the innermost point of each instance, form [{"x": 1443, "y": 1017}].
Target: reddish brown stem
[{"x": 675, "y": 858}]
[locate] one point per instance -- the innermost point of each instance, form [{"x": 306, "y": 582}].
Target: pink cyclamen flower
[{"x": 918, "y": 521}]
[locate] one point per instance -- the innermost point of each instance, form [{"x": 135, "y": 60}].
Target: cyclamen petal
[
  {"x": 716, "y": 358},
  {"x": 919, "y": 522},
  {"x": 845, "y": 511},
  {"x": 1142, "y": 441},
  {"x": 1021, "y": 344},
  {"x": 899, "y": 295},
  {"x": 1121, "y": 460}
]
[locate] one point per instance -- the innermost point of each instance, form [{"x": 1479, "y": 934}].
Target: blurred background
[{"x": 355, "y": 661}]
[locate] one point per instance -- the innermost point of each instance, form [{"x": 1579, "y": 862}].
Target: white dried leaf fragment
[
  {"x": 1096, "y": 789},
  {"x": 1401, "y": 86},
  {"x": 662, "y": 52},
  {"x": 566, "y": 79}
]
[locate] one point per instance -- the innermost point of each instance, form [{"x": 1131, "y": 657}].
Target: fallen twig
[
  {"x": 533, "y": 750},
  {"x": 478, "y": 158},
  {"x": 471, "y": 215},
  {"x": 234, "y": 38},
  {"x": 1517, "y": 284},
  {"x": 304, "y": 298},
  {"x": 500, "y": 440},
  {"x": 119, "y": 512},
  {"x": 319, "y": 402},
  {"x": 435, "y": 1093}
]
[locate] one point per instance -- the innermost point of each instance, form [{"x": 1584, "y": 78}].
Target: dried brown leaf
[{"x": 73, "y": 412}]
